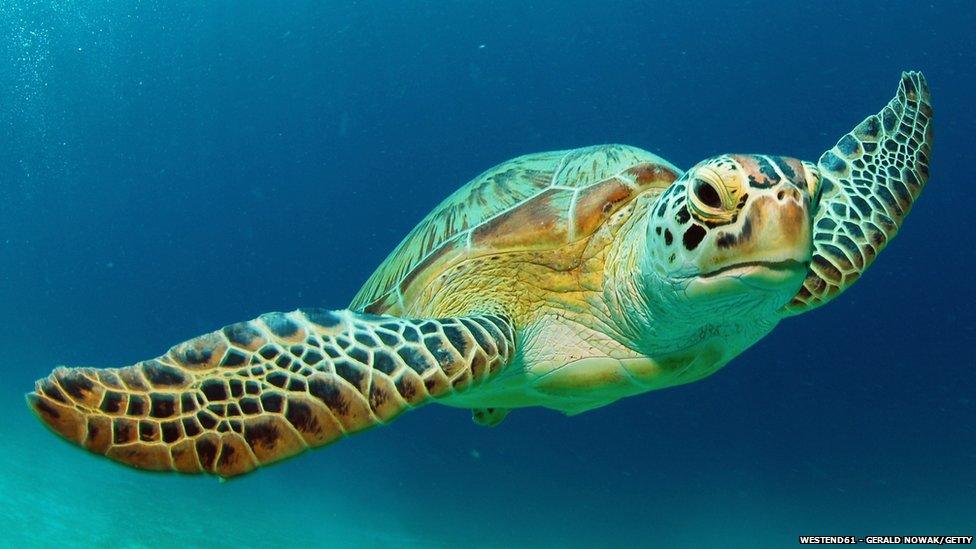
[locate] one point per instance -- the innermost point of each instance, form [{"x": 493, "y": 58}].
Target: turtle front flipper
[
  {"x": 256, "y": 392},
  {"x": 868, "y": 183}
]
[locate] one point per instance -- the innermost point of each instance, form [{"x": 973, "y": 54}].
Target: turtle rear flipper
[
  {"x": 868, "y": 184},
  {"x": 489, "y": 417},
  {"x": 260, "y": 391}
]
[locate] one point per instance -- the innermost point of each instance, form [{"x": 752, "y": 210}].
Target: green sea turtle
[{"x": 565, "y": 279}]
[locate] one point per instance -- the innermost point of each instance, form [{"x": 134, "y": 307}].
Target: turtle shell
[{"x": 534, "y": 202}]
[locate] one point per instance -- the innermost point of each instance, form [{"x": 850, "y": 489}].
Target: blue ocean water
[{"x": 167, "y": 168}]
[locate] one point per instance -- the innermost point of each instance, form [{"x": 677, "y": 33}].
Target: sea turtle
[{"x": 565, "y": 279}]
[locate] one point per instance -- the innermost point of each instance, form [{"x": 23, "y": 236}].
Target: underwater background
[{"x": 167, "y": 168}]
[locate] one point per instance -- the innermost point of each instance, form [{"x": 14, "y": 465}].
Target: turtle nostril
[
  {"x": 793, "y": 193},
  {"x": 707, "y": 194}
]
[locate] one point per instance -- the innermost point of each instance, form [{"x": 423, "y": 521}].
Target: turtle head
[{"x": 734, "y": 225}]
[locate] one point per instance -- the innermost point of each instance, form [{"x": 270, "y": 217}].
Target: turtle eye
[
  {"x": 709, "y": 199},
  {"x": 705, "y": 192}
]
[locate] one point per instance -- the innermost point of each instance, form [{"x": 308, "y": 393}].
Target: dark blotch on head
[
  {"x": 668, "y": 237},
  {"x": 767, "y": 170},
  {"x": 746, "y": 233},
  {"x": 693, "y": 236},
  {"x": 428, "y": 328},
  {"x": 726, "y": 240},
  {"x": 784, "y": 167},
  {"x": 756, "y": 184},
  {"x": 279, "y": 324},
  {"x": 682, "y": 217}
]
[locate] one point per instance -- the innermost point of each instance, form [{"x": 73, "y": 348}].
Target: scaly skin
[
  {"x": 872, "y": 177},
  {"x": 260, "y": 391}
]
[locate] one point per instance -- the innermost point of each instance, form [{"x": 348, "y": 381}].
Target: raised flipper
[
  {"x": 263, "y": 390},
  {"x": 868, "y": 183},
  {"x": 489, "y": 417}
]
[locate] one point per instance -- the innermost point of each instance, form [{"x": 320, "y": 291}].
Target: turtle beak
[
  {"x": 774, "y": 228},
  {"x": 768, "y": 248}
]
